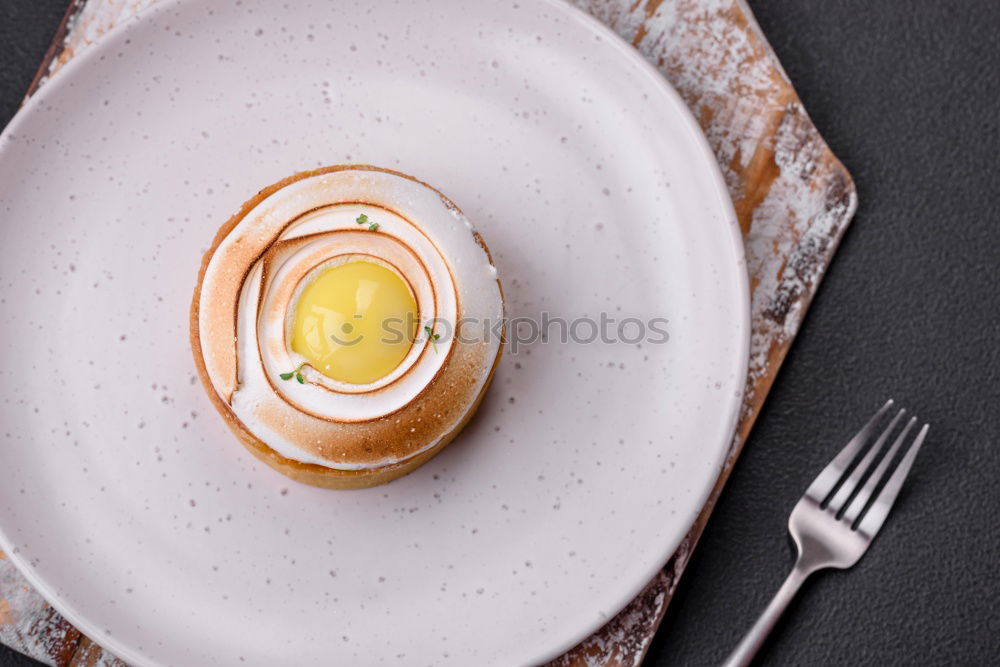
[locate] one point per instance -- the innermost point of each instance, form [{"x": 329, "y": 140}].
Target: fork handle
[{"x": 744, "y": 653}]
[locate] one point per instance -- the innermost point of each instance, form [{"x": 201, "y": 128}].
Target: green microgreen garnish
[
  {"x": 433, "y": 337},
  {"x": 297, "y": 374},
  {"x": 363, "y": 220}
]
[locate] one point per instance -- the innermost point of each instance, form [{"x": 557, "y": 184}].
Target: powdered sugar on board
[
  {"x": 792, "y": 197},
  {"x": 793, "y": 229},
  {"x": 29, "y": 624}
]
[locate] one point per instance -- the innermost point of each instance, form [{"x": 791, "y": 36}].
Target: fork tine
[
  {"x": 873, "y": 520},
  {"x": 865, "y": 494},
  {"x": 850, "y": 484},
  {"x": 827, "y": 480}
]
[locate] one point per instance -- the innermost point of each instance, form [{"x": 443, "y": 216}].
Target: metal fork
[{"x": 829, "y": 524}]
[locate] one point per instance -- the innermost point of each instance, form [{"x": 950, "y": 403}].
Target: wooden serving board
[{"x": 792, "y": 196}]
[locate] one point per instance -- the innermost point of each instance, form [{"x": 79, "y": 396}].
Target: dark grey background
[{"x": 907, "y": 94}]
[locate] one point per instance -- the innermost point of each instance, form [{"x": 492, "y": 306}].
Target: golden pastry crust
[{"x": 308, "y": 473}]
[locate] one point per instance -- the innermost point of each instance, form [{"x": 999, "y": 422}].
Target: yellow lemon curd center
[{"x": 355, "y": 322}]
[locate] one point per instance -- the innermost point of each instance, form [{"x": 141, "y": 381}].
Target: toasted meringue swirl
[{"x": 272, "y": 249}]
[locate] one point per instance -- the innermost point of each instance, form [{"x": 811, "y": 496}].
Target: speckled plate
[{"x": 124, "y": 498}]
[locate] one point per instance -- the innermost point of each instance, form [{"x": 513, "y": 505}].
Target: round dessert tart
[{"x": 346, "y": 324}]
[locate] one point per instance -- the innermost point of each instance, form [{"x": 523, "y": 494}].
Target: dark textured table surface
[{"x": 908, "y": 95}]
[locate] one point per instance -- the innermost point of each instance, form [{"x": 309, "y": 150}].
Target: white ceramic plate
[{"x": 130, "y": 506}]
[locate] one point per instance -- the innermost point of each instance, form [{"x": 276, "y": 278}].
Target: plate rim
[
  {"x": 730, "y": 222},
  {"x": 732, "y": 231}
]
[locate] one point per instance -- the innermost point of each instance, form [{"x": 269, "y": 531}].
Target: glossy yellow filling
[{"x": 355, "y": 322}]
